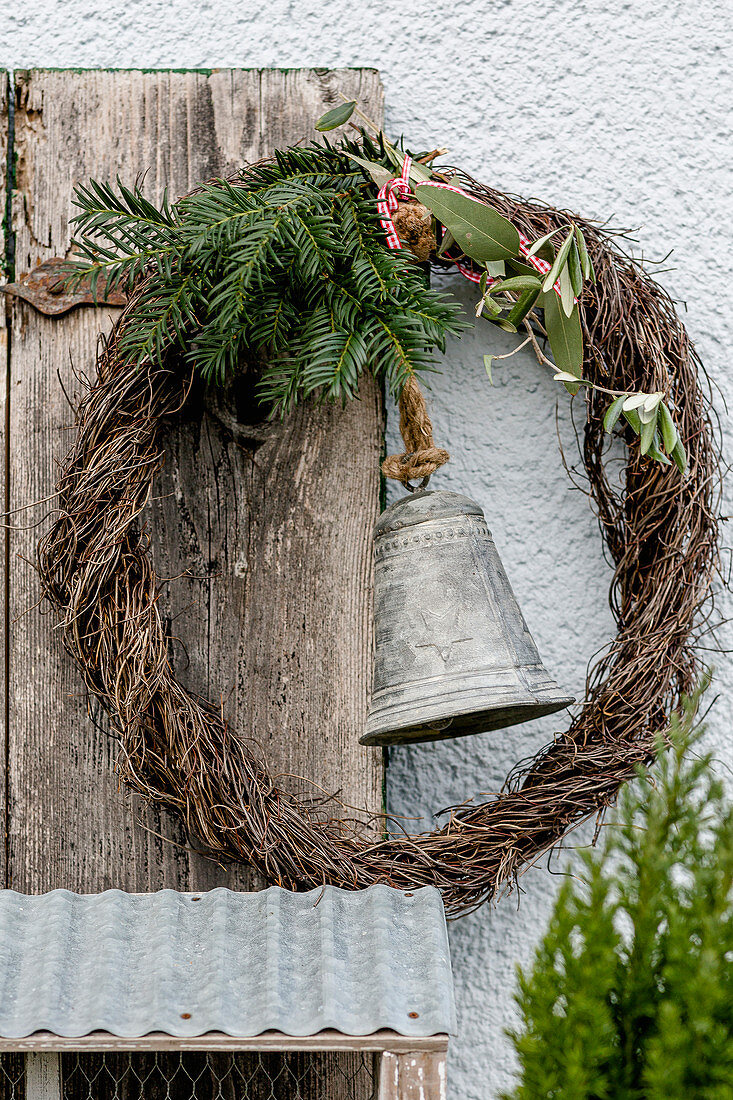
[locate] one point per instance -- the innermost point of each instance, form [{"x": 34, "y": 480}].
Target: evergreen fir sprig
[
  {"x": 631, "y": 993},
  {"x": 285, "y": 262}
]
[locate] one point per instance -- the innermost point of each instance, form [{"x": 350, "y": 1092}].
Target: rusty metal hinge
[{"x": 45, "y": 289}]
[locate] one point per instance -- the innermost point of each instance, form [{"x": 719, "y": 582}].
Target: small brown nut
[{"x": 413, "y": 223}]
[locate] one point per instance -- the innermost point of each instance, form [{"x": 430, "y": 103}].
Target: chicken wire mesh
[{"x": 200, "y": 1076}]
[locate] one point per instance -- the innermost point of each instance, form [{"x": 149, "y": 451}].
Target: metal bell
[{"x": 453, "y": 654}]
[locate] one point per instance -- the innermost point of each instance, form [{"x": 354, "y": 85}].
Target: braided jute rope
[
  {"x": 422, "y": 458},
  {"x": 661, "y": 535}
]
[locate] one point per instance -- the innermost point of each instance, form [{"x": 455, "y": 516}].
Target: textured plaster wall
[{"x": 615, "y": 109}]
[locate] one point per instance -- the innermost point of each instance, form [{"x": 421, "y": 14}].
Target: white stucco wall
[{"x": 611, "y": 108}]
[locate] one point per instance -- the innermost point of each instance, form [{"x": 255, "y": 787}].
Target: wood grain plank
[
  {"x": 5, "y": 259},
  {"x": 269, "y": 1042},
  {"x": 416, "y": 1075},
  {"x": 270, "y": 544}
]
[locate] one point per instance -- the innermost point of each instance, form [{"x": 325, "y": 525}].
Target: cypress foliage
[
  {"x": 285, "y": 262},
  {"x": 630, "y": 996}
]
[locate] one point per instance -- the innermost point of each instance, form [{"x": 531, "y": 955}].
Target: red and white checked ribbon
[
  {"x": 387, "y": 201},
  {"x": 399, "y": 187}
]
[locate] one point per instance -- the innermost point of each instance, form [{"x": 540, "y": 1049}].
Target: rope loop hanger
[{"x": 421, "y": 457}]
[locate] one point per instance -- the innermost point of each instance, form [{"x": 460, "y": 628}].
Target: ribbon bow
[{"x": 399, "y": 187}]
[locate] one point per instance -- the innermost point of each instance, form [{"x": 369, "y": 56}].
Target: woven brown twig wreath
[{"x": 660, "y": 530}]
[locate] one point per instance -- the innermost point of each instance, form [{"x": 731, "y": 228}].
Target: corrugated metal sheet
[{"x": 238, "y": 963}]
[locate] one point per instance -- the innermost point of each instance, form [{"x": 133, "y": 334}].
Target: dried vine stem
[{"x": 660, "y": 530}]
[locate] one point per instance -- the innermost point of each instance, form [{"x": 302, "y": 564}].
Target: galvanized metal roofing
[{"x": 239, "y": 963}]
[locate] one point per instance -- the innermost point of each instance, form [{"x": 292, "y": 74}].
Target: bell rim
[{"x": 515, "y": 714}]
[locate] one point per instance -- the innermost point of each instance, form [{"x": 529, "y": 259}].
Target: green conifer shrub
[{"x": 630, "y": 996}]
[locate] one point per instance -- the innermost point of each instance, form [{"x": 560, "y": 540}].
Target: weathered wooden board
[
  {"x": 269, "y": 1042},
  {"x": 270, "y": 543},
  {"x": 412, "y": 1076},
  {"x": 4, "y": 541}
]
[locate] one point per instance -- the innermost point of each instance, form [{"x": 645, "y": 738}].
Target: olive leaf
[
  {"x": 520, "y": 268},
  {"x": 481, "y": 231},
  {"x": 585, "y": 260},
  {"x": 679, "y": 456},
  {"x": 418, "y": 172},
  {"x": 567, "y": 298},
  {"x": 574, "y": 269},
  {"x": 634, "y": 401},
  {"x": 523, "y": 305},
  {"x": 488, "y": 360},
  {"x": 378, "y": 172},
  {"x": 565, "y": 336},
  {"x": 565, "y": 376},
  {"x": 493, "y": 307},
  {"x": 656, "y": 452},
  {"x": 487, "y": 303},
  {"x": 648, "y": 409},
  {"x": 543, "y": 241},
  {"x": 560, "y": 261},
  {"x": 631, "y": 416},
  {"x": 394, "y": 156},
  {"x": 668, "y": 428},
  {"x": 495, "y": 268},
  {"x": 337, "y": 116},
  {"x": 613, "y": 412},
  {"x": 517, "y": 283},
  {"x": 448, "y": 240},
  {"x": 528, "y": 287},
  {"x": 648, "y": 431}
]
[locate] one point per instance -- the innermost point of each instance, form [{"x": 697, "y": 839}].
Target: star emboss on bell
[{"x": 439, "y": 626}]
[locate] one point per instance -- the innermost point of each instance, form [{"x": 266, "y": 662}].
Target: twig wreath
[{"x": 298, "y": 260}]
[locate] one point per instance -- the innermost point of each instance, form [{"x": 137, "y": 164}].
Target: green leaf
[
  {"x": 543, "y": 241},
  {"x": 488, "y": 360},
  {"x": 631, "y": 416},
  {"x": 565, "y": 376},
  {"x": 481, "y": 231},
  {"x": 523, "y": 305},
  {"x": 574, "y": 270},
  {"x": 567, "y": 298},
  {"x": 669, "y": 429},
  {"x": 613, "y": 412},
  {"x": 635, "y": 401},
  {"x": 418, "y": 172},
  {"x": 448, "y": 240},
  {"x": 495, "y": 268},
  {"x": 521, "y": 268},
  {"x": 504, "y": 323},
  {"x": 565, "y": 336},
  {"x": 518, "y": 283},
  {"x": 493, "y": 307},
  {"x": 560, "y": 261},
  {"x": 378, "y": 172},
  {"x": 657, "y": 453},
  {"x": 648, "y": 410},
  {"x": 648, "y": 430},
  {"x": 679, "y": 456},
  {"x": 585, "y": 260},
  {"x": 337, "y": 116},
  {"x": 396, "y": 157}
]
